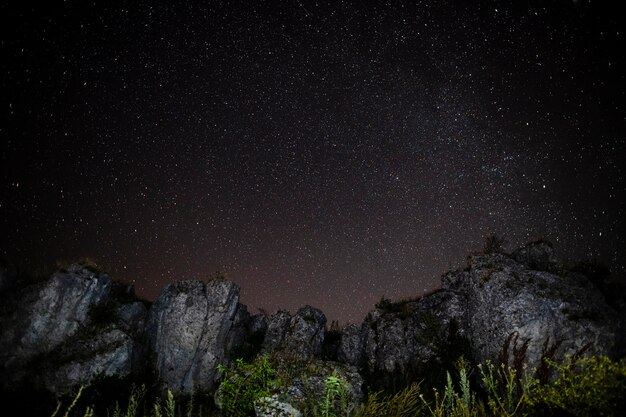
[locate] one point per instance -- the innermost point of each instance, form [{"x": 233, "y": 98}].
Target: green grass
[{"x": 590, "y": 386}]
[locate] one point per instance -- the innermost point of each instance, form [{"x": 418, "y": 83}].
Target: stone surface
[
  {"x": 304, "y": 382},
  {"x": 305, "y": 334},
  {"x": 297, "y": 338},
  {"x": 276, "y": 330},
  {"x": 513, "y": 307},
  {"x": 106, "y": 353},
  {"x": 188, "y": 330},
  {"x": 538, "y": 256},
  {"x": 407, "y": 335},
  {"x": 238, "y": 331},
  {"x": 273, "y": 407},
  {"x": 351, "y": 347},
  {"x": 48, "y": 314}
]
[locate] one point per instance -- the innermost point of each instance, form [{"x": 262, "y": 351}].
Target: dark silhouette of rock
[
  {"x": 299, "y": 337},
  {"x": 276, "y": 330},
  {"x": 403, "y": 338},
  {"x": 538, "y": 256},
  {"x": 188, "y": 330},
  {"x": 351, "y": 346}
]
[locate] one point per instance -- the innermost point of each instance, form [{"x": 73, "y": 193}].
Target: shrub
[
  {"x": 244, "y": 383},
  {"x": 593, "y": 386},
  {"x": 403, "y": 404}
]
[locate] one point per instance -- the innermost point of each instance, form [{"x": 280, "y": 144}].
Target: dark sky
[{"x": 316, "y": 152}]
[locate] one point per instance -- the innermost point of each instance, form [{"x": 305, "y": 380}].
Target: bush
[
  {"x": 244, "y": 383},
  {"x": 593, "y": 386}
]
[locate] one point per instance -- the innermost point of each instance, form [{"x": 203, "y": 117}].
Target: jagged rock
[
  {"x": 106, "y": 353},
  {"x": 188, "y": 328},
  {"x": 305, "y": 334},
  {"x": 514, "y": 310},
  {"x": 303, "y": 381},
  {"x": 350, "y": 349},
  {"x": 257, "y": 324},
  {"x": 272, "y": 407},
  {"x": 276, "y": 330},
  {"x": 299, "y": 337},
  {"x": 46, "y": 315},
  {"x": 538, "y": 256},
  {"x": 407, "y": 335},
  {"x": 132, "y": 316},
  {"x": 239, "y": 330}
]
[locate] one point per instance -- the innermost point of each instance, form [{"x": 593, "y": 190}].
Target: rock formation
[
  {"x": 188, "y": 330},
  {"x": 525, "y": 306},
  {"x": 66, "y": 331}
]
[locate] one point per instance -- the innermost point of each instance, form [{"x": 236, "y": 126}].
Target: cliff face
[
  {"x": 188, "y": 332},
  {"x": 63, "y": 332},
  {"x": 511, "y": 308}
]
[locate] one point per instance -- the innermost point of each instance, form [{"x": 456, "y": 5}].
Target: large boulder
[
  {"x": 518, "y": 312},
  {"x": 351, "y": 345},
  {"x": 403, "y": 338},
  {"x": 40, "y": 318},
  {"x": 299, "y": 337},
  {"x": 188, "y": 331}
]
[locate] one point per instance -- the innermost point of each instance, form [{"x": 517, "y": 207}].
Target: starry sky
[{"x": 316, "y": 152}]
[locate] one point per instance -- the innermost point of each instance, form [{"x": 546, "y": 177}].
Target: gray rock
[
  {"x": 257, "y": 324},
  {"x": 306, "y": 381},
  {"x": 514, "y": 309},
  {"x": 276, "y": 330},
  {"x": 305, "y": 334},
  {"x": 188, "y": 329},
  {"x": 48, "y": 314},
  {"x": 106, "y": 353},
  {"x": 411, "y": 334},
  {"x": 273, "y": 407},
  {"x": 351, "y": 346},
  {"x": 538, "y": 256},
  {"x": 239, "y": 330},
  {"x": 131, "y": 316}
]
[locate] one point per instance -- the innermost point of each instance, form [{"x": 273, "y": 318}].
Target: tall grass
[{"x": 585, "y": 387}]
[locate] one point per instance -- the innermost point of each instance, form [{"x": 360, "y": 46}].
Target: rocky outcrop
[
  {"x": 403, "y": 338},
  {"x": 521, "y": 307},
  {"x": 45, "y": 315},
  {"x": 538, "y": 256},
  {"x": 299, "y": 337},
  {"x": 188, "y": 330},
  {"x": 303, "y": 381},
  {"x": 273, "y": 407},
  {"x": 66, "y": 331},
  {"x": 515, "y": 310},
  {"x": 509, "y": 308},
  {"x": 351, "y": 346}
]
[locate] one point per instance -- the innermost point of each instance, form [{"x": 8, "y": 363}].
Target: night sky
[{"x": 316, "y": 152}]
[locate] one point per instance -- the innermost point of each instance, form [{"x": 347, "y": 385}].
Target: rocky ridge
[{"x": 79, "y": 324}]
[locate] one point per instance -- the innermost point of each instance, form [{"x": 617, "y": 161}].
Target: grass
[{"x": 586, "y": 386}]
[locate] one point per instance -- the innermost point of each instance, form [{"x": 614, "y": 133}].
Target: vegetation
[
  {"x": 586, "y": 386},
  {"x": 244, "y": 383}
]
